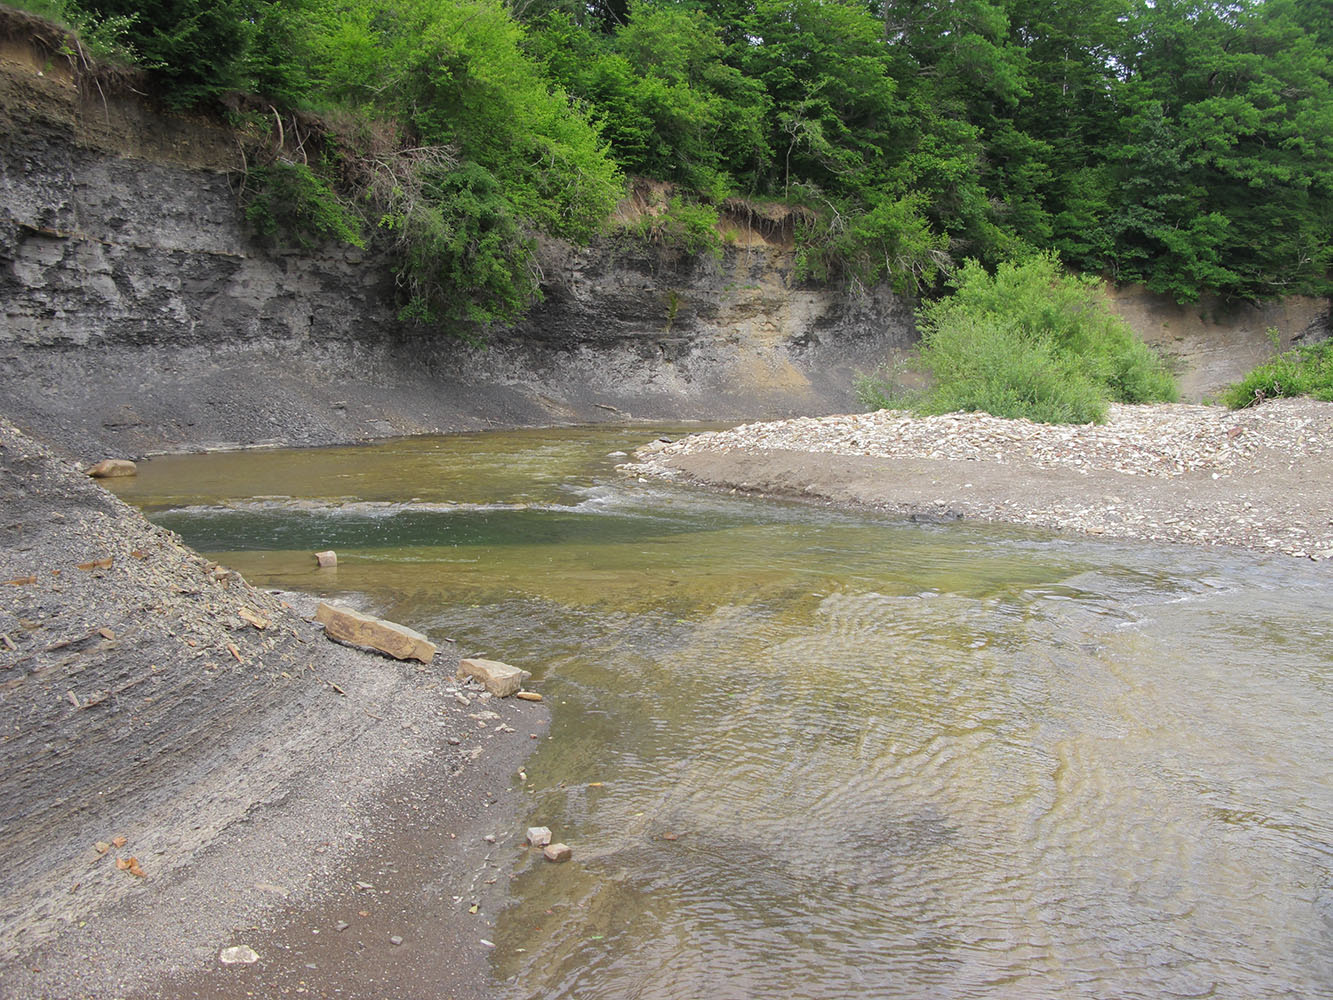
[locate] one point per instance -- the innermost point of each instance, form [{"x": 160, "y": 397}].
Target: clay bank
[{"x": 140, "y": 314}]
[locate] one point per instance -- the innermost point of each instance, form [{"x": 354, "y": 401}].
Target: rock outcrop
[
  {"x": 139, "y": 314},
  {"x": 500, "y": 679}
]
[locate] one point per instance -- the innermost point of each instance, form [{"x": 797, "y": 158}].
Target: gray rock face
[{"x": 140, "y": 314}]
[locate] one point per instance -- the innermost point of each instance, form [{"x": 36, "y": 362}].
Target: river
[{"x": 815, "y": 754}]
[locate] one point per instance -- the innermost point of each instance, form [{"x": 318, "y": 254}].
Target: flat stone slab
[
  {"x": 500, "y": 679},
  {"x": 396, "y": 640},
  {"x": 112, "y": 468}
]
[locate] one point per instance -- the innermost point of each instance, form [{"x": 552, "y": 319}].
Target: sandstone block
[
  {"x": 500, "y": 679},
  {"x": 557, "y": 852},
  {"x": 539, "y": 836},
  {"x": 113, "y": 468},
  {"x": 398, "y": 641},
  {"x": 326, "y": 559}
]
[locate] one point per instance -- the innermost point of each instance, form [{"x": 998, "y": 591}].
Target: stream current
[{"x": 816, "y": 754}]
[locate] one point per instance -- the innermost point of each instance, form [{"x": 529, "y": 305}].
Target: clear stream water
[{"x": 894, "y": 760}]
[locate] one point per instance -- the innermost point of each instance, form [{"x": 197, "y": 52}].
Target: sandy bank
[
  {"x": 256, "y": 774},
  {"x": 1258, "y": 479}
]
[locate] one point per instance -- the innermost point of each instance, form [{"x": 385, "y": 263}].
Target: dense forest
[{"x": 1184, "y": 144}]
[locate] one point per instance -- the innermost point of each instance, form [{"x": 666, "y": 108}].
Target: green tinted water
[{"x": 896, "y": 760}]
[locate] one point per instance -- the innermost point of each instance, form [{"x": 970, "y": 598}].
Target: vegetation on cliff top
[{"x": 1186, "y": 144}]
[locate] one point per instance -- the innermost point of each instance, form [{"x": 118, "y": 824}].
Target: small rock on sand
[
  {"x": 539, "y": 836},
  {"x": 238, "y": 954},
  {"x": 557, "y": 852},
  {"x": 500, "y": 679}
]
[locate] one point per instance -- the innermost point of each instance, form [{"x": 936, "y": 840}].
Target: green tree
[
  {"x": 1227, "y": 180},
  {"x": 195, "y": 47}
]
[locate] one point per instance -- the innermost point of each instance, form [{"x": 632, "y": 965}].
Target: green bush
[
  {"x": 463, "y": 258},
  {"x": 685, "y": 226},
  {"x": 107, "y": 38},
  {"x": 891, "y": 241},
  {"x": 289, "y": 204},
  {"x": 1305, "y": 371},
  {"x": 1028, "y": 342},
  {"x": 194, "y": 47}
]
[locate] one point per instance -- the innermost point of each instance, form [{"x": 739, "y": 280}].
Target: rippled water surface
[{"x": 808, "y": 754}]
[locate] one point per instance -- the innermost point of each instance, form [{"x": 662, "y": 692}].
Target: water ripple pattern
[{"x": 815, "y": 755}]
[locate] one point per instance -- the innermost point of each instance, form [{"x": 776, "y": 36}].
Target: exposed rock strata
[
  {"x": 139, "y": 314},
  {"x": 147, "y": 694}
]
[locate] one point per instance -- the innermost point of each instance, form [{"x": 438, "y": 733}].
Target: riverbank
[
  {"x": 1258, "y": 479},
  {"x": 260, "y": 776}
]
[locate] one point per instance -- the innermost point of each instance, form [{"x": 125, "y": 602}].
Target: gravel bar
[{"x": 1257, "y": 478}]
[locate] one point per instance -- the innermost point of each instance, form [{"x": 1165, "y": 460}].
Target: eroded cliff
[{"x": 140, "y": 314}]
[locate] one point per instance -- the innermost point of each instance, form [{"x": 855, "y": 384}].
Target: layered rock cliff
[{"x": 140, "y": 314}]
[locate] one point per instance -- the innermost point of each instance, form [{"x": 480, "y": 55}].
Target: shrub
[
  {"x": 289, "y": 204},
  {"x": 685, "y": 226},
  {"x": 892, "y": 241},
  {"x": 1305, "y": 371},
  {"x": 1030, "y": 342},
  {"x": 464, "y": 260},
  {"x": 101, "y": 37}
]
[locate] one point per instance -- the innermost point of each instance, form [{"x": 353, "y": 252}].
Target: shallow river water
[{"x": 810, "y": 754}]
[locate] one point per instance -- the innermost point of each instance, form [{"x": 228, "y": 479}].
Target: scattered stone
[
  {"x": 528, "y": 696},
  {"x": 238, "y": 954},
  {"x": 327, "y": 559},
  {"x": 539, "y": 836},
  {"x": 395, "y": 940},
  {"x": 353, "y": 627},
  {"x": 489, "y": 838},
  {"x": 500, "y": 679},
  {"x": 488, "y": 944},
  {"x": 341, "y": 926},
  {"x": 557, "y": 852},
  {"x": 113, "y": 468}
]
